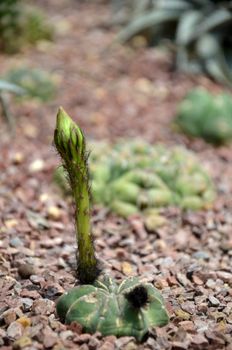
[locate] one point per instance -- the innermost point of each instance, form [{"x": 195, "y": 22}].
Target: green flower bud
[{"x": 70, "y": 143}]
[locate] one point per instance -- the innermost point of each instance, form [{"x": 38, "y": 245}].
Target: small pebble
[
  {"x": 65, "y": 335},
  {"x": 201, "y": 255},
  {"x": 210, "y": 283},
  {"x": 27, "y": 304},
  {"x": 36, "y": 279},
  {"x": 225, "y": 276},
  {"x": 15, "y": 330},
  {"x": 213, "y": 301},
  {"x": 54, "y": 212},
  {"x": 9, "y": 316},
  {"x": 93, "y": 343},
  {"x": 43, "y": 307},
  {"x": 26, "y": 270},
  {"x": 36, "y": 165},
  {"x": 82, "y": 338},
  {"x": 16, "y": 242}
]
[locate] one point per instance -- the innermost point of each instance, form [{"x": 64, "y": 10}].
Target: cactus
[
  {"x": 37, "y": 83},
  {"x": 204, "y": 115},
  {"x": 129, "y": 309},
  {"x": 131, "y": 176}
]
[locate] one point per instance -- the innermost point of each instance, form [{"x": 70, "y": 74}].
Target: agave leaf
[
  {"x": 215, "y": 70},
  {"x": 213, "y": 22},
  {"x": 180, "y": 5},
  {"x": 215, "y": 63},
  {"x": 155, "y": 18},
  {"x": 187, "y": 26},
  {"x": 201, "y": 2},
  {"x": 9, "y": 87}
]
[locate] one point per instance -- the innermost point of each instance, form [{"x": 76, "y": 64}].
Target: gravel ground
[{"x": 112, "y": 92}]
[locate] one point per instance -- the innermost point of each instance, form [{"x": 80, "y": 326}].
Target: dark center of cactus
[{"x": 138, "y": 297}]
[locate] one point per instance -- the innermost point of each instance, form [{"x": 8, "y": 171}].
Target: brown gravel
[{"x": 111, "y": 92}]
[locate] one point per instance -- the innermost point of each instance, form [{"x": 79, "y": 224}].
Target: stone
[
  {"x": 9, "y": 316},
  {"x": 188, "y": 326},
  {"x": 43, "y": 307},
  {"x": 26, "y": 270},
  {"x": 16, "y": 242},
  {"x": 107, "y": 346},
  {"x": 201, "y": 255},
  {"x": 50, "y": 337},
  {"x": 82, "y": 338},
  {"x": 15, "y": 330},
  {"x": 213, "y": 301},
  {"x": 66, "y": 335},
  {"x": 200, "y": 340},
  {"x": 36, "y": 166},
  {"x": 93, "y": 343},
  {"x": 225, "y": 276},
  {"x": 22, "y": 342}
]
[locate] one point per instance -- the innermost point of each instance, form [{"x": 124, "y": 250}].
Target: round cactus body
[
  {"x": 128, "y": 309},
  {"x": 204, "y": 115},
  {"x": 131, "y": 176}
]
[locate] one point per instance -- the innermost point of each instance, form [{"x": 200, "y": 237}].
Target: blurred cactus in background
[
  {"x": 37, "y": 83},
  {"x": 200, "y": 29},
  {"x": 21, "y": 25},
  {"x": 5, "y": 88},
  {"x": 133, "y": 176},
  {"x": 202, "y": 114}
]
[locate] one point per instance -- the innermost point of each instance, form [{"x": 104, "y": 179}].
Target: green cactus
[
  {"x": 204, "y": 115},
  {"x": 37, "y": 83},
  {"x": 131, "y": 176},
  {"x": 129, "y": 309}
]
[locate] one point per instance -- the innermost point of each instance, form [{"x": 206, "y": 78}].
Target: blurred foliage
[
  {"x": 36, "y": 82},
  {"x": 202, "y": 114},
  {"x": 6, "y": 87},
  {"x": 133, "y": 176},
  {"x": 21, "y": 24},
  {"x": 200, "y": 29}
]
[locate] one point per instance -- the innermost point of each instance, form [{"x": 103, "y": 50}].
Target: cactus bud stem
[{"x": 70, "y": 144}]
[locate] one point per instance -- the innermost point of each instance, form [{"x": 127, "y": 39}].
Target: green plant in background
[
  {"x": 5, "y": 88},
  {"x": 200, "y": 29},
  {"x": 202, "y": 114},
  {"x": 129, "y": 309},
  {"x": 36, "y": 27},
  {"x": 10, "y": 26},
  {"x": 134, "y": 176},
  {"x": 36, "y": 82},
  {"x": 21, "y": 25}
]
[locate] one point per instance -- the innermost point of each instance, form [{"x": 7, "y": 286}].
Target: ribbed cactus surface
[
  {"x": 128, "y": 309},
  {"x": 204, "y": 115},
  {"x": 133, "y": 176}
]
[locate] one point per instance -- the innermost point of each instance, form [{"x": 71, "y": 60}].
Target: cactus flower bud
[{"x": 70, "y": 143}]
